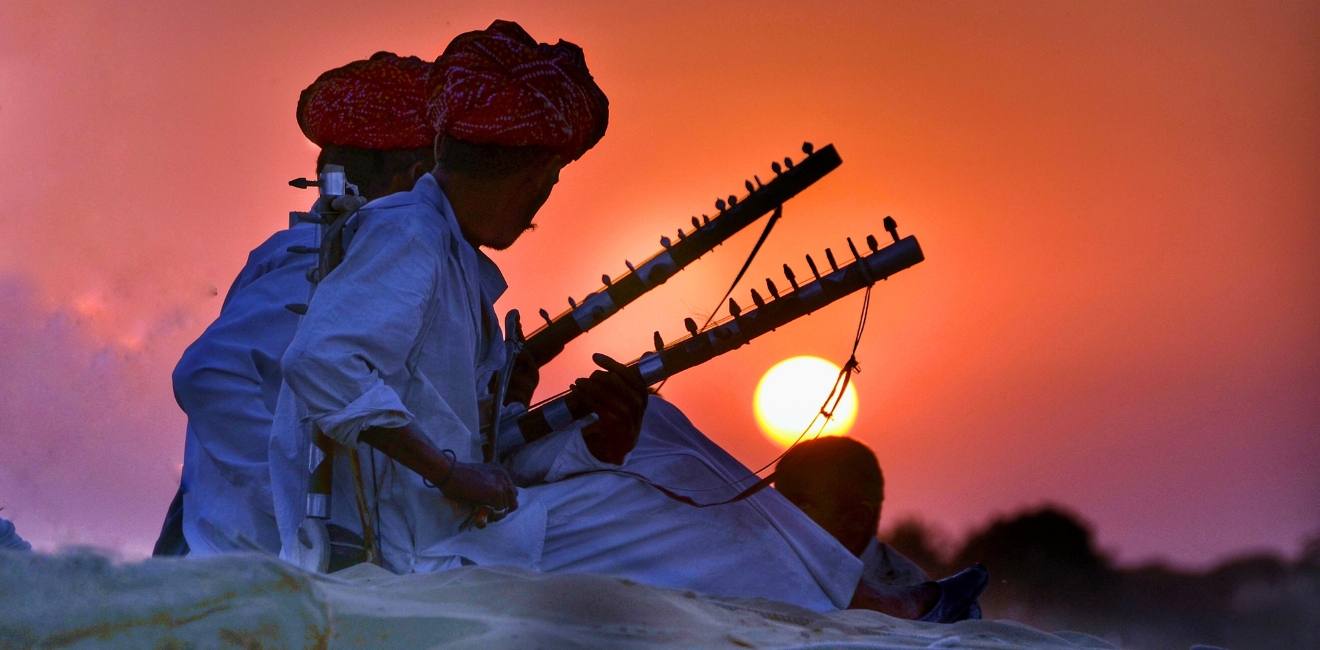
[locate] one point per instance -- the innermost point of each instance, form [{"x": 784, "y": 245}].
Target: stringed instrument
[
  {"x": 734, "y": 214},
  {"x": 741, "y": 327}
]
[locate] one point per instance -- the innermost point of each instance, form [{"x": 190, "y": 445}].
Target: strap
[{"x": 682, "y": 498}]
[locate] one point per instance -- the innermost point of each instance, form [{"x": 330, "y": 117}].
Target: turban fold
[
  {"x": 379, "y": 103},
  {"x": 499, "y": 86}
]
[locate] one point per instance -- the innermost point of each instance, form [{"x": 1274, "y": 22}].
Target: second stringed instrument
[{"x": 741, "y": 327}]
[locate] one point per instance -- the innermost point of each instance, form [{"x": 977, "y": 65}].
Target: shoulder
[
  {"x": 276, "y": 248},
  {"x": 271, "y": 255},
  {"x": 403, "y": 217}
]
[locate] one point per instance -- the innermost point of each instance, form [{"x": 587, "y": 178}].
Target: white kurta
[
  {"x": 885, "y": 567},
  {"x": 227, "y": 382},
  {"x": 403, "y": 331},
  {"x": 762, "y": 547}
]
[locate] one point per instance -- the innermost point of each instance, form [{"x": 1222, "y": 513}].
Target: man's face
[
  {"x": 834, "y": 508},
  {"x": 523, "y": 197}
]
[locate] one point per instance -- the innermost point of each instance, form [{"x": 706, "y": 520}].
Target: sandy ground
[{"x": 255, "y": 602}]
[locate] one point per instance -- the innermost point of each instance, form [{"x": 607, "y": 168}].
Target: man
[
  {"x": 838, "y": 483},
  {"x": 369, "y": 117},
  {"x": 399, "y": 343}
]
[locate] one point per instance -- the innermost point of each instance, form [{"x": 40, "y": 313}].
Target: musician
[
  {"x": 837, "y": 481},
  {"x": 399, "y": 343},
  {"x": 371, "y": 118}
]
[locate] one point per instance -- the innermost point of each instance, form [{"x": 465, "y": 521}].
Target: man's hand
[
  {"x": 486, "y": 487},
  {"x": 618, "y": 396}
]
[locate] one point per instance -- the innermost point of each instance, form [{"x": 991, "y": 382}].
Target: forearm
[
  {"x": 485, "y": 487},
  {"x": 408, "y": 446}
]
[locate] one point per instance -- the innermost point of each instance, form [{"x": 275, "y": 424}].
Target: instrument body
[
  {"x": 548, "y": 341},
  {"x": 738, "y": 330},
  {"x": 333, "y": 209}
]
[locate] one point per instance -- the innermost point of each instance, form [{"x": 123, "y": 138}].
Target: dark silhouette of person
[{"x": 837, "y": 482}]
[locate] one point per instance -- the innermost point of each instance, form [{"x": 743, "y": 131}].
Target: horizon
[{"x": 1119, "y": 311}]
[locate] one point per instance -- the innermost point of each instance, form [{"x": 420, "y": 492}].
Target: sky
[{"x": 1119, "y": 311}]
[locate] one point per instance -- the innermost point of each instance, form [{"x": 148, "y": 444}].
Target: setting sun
[{"x": 792, "y": 392}]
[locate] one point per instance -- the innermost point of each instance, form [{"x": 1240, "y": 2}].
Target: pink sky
[{"x": 1119, "y": 311}]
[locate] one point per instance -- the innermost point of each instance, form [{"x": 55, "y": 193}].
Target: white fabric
[
  {"x": 227, "y": 382},
  {"x": 403, "y": 331},
  {"x": 613, "y": 524},
  {"x": 883, "y": 566},
  {"x": 9, "y": 539}
]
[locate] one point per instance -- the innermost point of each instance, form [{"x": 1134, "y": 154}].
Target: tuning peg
[
  {"x": 814, "y": 270},
  {"x": 605, "y": 279},
  {"x": 691, "y": 326},
  {"x": 807, "y": 148},
  {"x": 734, "y": 309},
  {"x": 774, "y": 166},
  {"x": 829, "y": 255},
  {"x": 851, "y": 247},
  {"x": 770, "y": 286},
  {"x": 546, "y": 315},
  {"x": 891, "y": 227},
  {"x": 705, "y": 219},
  {"x": 719, "y": 204},
  {"x": 629, "y": 265},
  {"x": 659, "y": 342},
  {"x": 750, "y": 188},
  {"x": 696, "y": 223},
  {"x": 733, "y": 200},
  {"x": 303, "y": 250},
  {"x": 313, "y": 275},
  {"x": 664, "y": 241},
  {"x": 759, "y": 184},
  {"x": 302, "y": 183},
  {"x": 681, "y": 236},
  {"x": 305, "y": 217},
  {"x": 756, "y": 299},
  {"x": 572, "y": 303},
  {"x": 296, "y": 307},
  {"x": 788, "y": 163},
  {"x": 792, "y": 278},
  {"x": 872, "y": 244}
]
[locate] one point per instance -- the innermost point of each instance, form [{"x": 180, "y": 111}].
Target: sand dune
[{"x": 251, "y": 602}]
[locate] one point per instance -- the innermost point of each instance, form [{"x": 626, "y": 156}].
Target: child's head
[{"x": 838, "y": 483}]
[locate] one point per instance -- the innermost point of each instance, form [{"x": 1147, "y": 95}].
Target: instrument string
[
  {"x": 827, "y": 409},
  {"x": 765, "y": 234}
]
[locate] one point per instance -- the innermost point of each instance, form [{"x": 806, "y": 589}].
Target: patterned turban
[
  {"x": 499, "y": 86},
  {"x": 377, "y": 104}
]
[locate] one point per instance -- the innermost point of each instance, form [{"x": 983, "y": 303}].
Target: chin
[{"x": 501, "y": 243}]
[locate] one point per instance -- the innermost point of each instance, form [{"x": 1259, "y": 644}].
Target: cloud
[{"x": 91, "y": 437}]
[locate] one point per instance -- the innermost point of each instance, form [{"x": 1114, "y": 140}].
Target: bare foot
[{"x": 900, "y": 602}]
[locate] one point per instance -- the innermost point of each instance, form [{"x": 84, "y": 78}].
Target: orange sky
[{"x": 1119, "y": 311}]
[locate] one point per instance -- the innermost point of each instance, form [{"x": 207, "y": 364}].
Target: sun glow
[{"x": 792, "y": 392}]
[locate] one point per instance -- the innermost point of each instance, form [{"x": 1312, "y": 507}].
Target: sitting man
[
  {"x": 369, "y": 117},
  {"x": 837, "y": 482},
  {"x": 394, "y": 357}
]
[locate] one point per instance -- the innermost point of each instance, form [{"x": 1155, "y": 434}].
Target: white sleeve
[
  {"x": 554, "y": 457},
  {"x": 360, "y": 327}
]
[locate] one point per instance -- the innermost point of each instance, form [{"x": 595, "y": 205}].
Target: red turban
[
  {"x": 499, "y": 86},
  {"x": 377, "y": 104}
]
